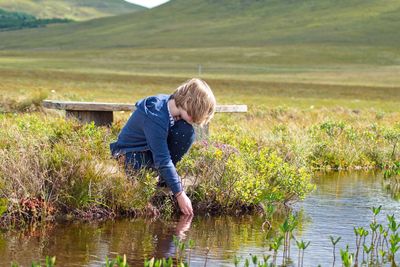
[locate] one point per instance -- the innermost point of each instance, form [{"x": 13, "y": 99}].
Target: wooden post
[{"x": 201, "y": 133}]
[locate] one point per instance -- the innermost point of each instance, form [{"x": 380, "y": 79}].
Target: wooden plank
[
  {"x": 99, "y": 106},
  {"x": 88, "y": 106},
  {"x": 231, "y": 108}
]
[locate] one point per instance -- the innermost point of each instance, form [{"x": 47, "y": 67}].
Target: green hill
[
  {"x": 207, "y": 23},
  {"x": 70, "y": 9}
]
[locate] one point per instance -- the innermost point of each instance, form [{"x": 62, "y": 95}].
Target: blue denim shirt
[{"x": 147, "y": 129}]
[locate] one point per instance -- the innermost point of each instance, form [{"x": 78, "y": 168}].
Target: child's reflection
[
  {"x": 185, "y": 221},
  {"x": 165, "y": 246}
]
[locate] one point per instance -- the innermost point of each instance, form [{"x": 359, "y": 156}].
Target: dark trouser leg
[{"x": 180, "y": 137}]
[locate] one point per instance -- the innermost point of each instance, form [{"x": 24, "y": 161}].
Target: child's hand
[{"x": 184, "y": 203}]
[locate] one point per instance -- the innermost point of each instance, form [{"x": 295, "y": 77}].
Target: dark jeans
[{"x": 180, "y": 138}]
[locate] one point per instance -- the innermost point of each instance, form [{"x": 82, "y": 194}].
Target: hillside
[
  {"x": 19, "y": 20},
  {"x": 207, "y": 23},
  {"x": 70, "y": 9}
]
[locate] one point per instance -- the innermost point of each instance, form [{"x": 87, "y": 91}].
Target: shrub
[{"x": 228, "y": 178}]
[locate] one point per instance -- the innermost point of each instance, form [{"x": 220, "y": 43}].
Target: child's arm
[{"x": 156, "y": 137}]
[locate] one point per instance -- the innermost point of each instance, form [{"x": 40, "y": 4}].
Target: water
[{"x": 341, "y": 201}]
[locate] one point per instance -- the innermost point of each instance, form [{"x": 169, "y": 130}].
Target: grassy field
[
  {"x": 269, "y": 53},
  {"x": 267, "y": 78},
  {"x": 293, "y": 97}
]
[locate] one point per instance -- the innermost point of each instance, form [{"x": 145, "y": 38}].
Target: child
[{"x": 159, "y": 132}]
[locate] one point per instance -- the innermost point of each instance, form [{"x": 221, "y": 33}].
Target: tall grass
[
  {"x": 51, "y": 167},
  {"x": 334, "y": 138}
]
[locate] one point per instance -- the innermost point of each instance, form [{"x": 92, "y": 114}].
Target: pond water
[{"x": 342, "y": 200}]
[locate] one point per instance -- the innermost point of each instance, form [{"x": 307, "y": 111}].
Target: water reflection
[
  {"x": 87, "y": 244},
  {"x": 164, "y": 246},
  {"x": 342, "y": 200},
  {"x": 392, "y": 186}
]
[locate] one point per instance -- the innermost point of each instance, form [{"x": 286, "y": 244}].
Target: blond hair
[{"x": 196, "y": 97}]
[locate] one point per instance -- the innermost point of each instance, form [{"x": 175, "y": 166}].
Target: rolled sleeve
[{"x": 156, "y": 137}]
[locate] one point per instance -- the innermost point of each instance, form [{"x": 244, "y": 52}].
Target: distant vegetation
[
  {"x": 18, "y": 20},
  {"x": 70, "y": 9}
]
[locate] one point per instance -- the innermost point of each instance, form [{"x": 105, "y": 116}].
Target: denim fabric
[
  {"x": 180, "y": 137},
  {"x": 149, "y": 123}
]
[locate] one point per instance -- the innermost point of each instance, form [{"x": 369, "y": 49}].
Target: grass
[
  {"x": 52, "y": 167},
  {"x": 331, "y": 55},
  {"x": 126, "y": 75},
  {"x": 320, "y": 79},
  {"x": 313, "y": 114},
  {"x": 317, "y": 115}
]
